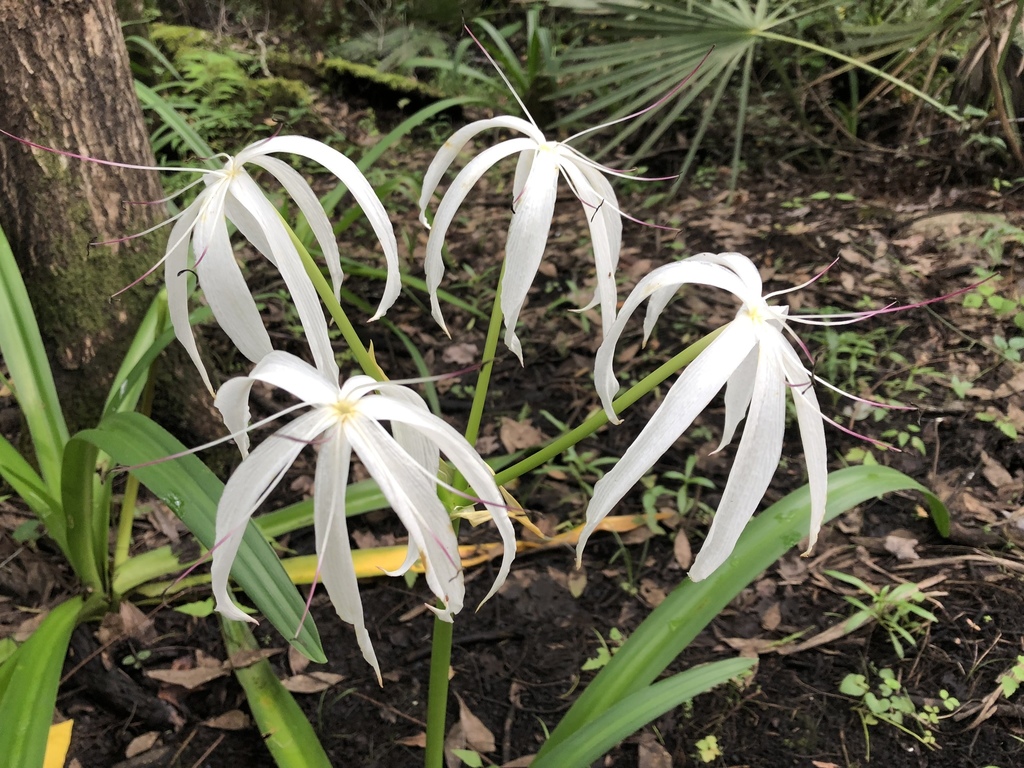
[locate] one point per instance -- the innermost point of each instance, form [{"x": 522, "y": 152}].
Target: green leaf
[
  {"x": 285, "y": 728},
  {"x": 28, "y": 687},
  {"x": 188, "y": 487},
  {"x": 173, "y": 119},
  {"x": 23, "y": 352},
  {"x": 600, "y": 734},
  {"x": 27, "y": 483},
  {"x": 692, "y": 605},
  {"x": 86, "y": 502}
]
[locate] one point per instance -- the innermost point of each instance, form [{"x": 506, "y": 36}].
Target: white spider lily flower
[
  {"x": 344, "y": 419},
  {"x": 533, "y": 201},
  {"x": 757, "y": 364},
  {"x": 231, "y": 195}
]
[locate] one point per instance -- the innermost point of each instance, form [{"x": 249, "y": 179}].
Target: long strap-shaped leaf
[
  {"x": 192, "y": 491},
  {"x": 284, "y": 726},
  {"x": 22, "y": 349},
  {"x": 28, "y": 688},
  {"x": 633, "y": 712},
  {"x": 692, "y": 605}
]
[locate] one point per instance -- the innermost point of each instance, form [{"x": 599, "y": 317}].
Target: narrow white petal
[
  {"x": 523, "y": 166},
  {"x": 304, "y": 296},
  {"x": 424, "y": 450},
  {"x": 451, "y": 148},
  {"x": 467, "y": 461},
  {"x": 176, "y": 279},
  {"x": 610, "y": 213},
  {"x": 233, "y": 403},
  {"x": 737, "y": 397},
  {"x": 415, "y": 501},
  {"x": 334, "y": 551},
  {"x": 434, "y": 263},
  {"x": 224, "y": 287},
  {"x": 655, "y": 306},
  {"x": 248, "y": 227},
  {"x": 743, "y": 267},
  {"x": 246, "y": 489},
  {"x": 309, "y": 205},
  {"x": 606, "y": 244},
  {"x": 527, "y": 236},
  {"x": 812, "y": 433},
  {"x": 688, "y": 396},
  {"x": 349, "y": 175},
  {"x": 757, "y": 459},
  {"x": 292, "y": 374}
]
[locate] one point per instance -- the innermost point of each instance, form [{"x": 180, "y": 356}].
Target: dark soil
[{"x": 517, "y": 661}]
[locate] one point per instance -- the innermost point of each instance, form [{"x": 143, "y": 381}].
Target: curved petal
[
  {"x": 334, "y": 551},
  {"x": 224, "y": 287},
  {"x": 467, "y": 461},
  {"x": 744, "y": 269},
  {"x": 687, "y": 397},
  {"x": 812, "y": 433},
  {"x": 350, "y": 175},
  {"x": 523, "y": 166},
  {"x": 309, "y": 205},
  {"x": 737, "y": 397},
  {"x": 246, "y": 489},
  {"x": 415, "y": 501},
  {"x": 232, "y": 401},
  {"x": 304, "y": 296},
  {"x": 757, "y": 459},
  {"x": 450, "y": 150},
  {"x": 424, "y": 451},
  {"x": 176, "y": 279},
  {"x": 434, "y": 262},
  {"x": 527, "y": 236},
  {"x": 292, "y": 374},
  {"x": 606, "y": 244}
]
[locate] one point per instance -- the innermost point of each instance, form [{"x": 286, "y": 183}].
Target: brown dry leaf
[
  {"x": 416, "y": 740},
  {"x": 232, "y": 720},
  {"x": 750, "y": 647},
  {"x": 189, "y": 679},
  {"x": 516, "y": 435},
  {"x": 141, "y": 744},
  {"x": 313, "y": 682},
  {"x": 1011, "y": 387},
  {"x": 681, "y": 550},
  {"x": 651, "y": 754},
  {"x": 461, "y": 354},
  {"x": 995, "y": 472},
  {"x": 244, "y": 659},
  {"x": 902, "y": 547},
  {"x": 520, "y": 762},
  {"x": 136, "y": 624},
  {"x": 576, "y": 581},
  {"x": 297, "y": 660},
  {"x": 652, "y": 594},
  {"x": 28, "y": 626},
  {"x": 477, "y": 735},
  {"x": 821, "y": 764},
  {"x": 772, "y": 617},
  {"x": 979, "y": 509}
]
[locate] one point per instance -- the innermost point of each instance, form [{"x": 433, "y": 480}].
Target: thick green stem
[
  {"x": 441, "y": 647},
  {"x": 348, "y": 331},
  {"x": 599, "y": 418}
]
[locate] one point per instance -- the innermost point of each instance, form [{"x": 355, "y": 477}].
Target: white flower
[
  {"x": 342, "y": 420},
  {"x": 231, "y": 195},
  {"x": 757, "y": 364},
  {"x": 533, "y": 200}
]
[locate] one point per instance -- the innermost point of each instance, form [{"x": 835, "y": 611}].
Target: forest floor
[{"x": 519, "y": 661}]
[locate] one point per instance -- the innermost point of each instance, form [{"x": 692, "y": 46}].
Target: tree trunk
[{"x": 66, "y": 83}]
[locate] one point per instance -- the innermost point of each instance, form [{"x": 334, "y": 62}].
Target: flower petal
[
  {"x": 349, "y": 175},
  {"x": 468, "y": 176},
  {"x": 737, "y": 397},
  {"x": 246, "y": 489},
  {"x": 527, "y": 236},
  {"x": 687, "y": 397},
  {"x": 757, "y": 459},
  {"x": 176, "y": 279},
  {"x": 294, "y": 375},
  {"x": 334, "y": 551},
  {"x": 454, "y": 145}
]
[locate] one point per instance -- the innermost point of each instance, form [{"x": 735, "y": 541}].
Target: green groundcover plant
[{"x": 422, "y": 468}]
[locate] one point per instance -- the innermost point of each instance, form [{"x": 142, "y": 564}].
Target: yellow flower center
[{"x": 344, "y": 409}]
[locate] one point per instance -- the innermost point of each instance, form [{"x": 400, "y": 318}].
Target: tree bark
[{"x": 66, "y": 83}]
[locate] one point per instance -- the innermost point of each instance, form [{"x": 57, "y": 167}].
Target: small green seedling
[
  {"x": 708, "y": 750},
  {"x": 1011, "y": 680},
  {"x": 606, "y": 651}
]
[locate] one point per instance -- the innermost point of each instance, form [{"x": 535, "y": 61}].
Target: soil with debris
[{"x": 153, "y": 690}]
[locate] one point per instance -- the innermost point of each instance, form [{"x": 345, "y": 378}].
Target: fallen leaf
[
  {"x": 902, "y": 547},
  {"x": 652, "y": 594},
  {"x": 416, "y": 740},
  {"x": 141, "y": 744},
  {"x": 995, "y": 472},
  {"x": 772, "y": 617},
  {"x": 297, "y": 660},
  {"x": 576, "y": 581},
  {"x": 244, "y": 659},
  {"x": 461, "y": 354},
  {"x": 477, "y": 735},
  {"x": 232, "y": 720},
  {"x": 313, "y": 682},
  {"x": 681, "y": 550},
  {"x": 651, "y": 754},
  {"x": 190, "y": 679},
  {"x": 519, "y": 762},
  {"x": 516, "y": 435}
]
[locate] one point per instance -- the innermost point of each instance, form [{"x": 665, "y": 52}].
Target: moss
[
  {"x": 363, "y": 77},
  {"x": 174, "y": 39},
  {"x": 280, "y": 93}
]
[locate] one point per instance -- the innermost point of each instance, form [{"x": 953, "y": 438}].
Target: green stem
[
  {"x": 600, "y": 418},
  {"x": 441, "y": 647},
  {"x": 348, "y": 331}
]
